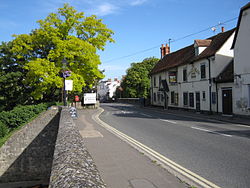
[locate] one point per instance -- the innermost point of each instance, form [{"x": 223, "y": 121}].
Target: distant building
[
  {"x": 106, "y": 89},
  {"x": 191, "y": 78},
  {"x": 241, "y": 46}
]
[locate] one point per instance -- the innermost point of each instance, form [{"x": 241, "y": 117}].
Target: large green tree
[
  {"x": 137, "y": 81},
  {"x": 12, "y": 74},
  {"x": 65, "y": 35}
]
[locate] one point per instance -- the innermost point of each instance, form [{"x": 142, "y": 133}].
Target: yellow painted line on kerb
[{"x": 183, "y": 171}]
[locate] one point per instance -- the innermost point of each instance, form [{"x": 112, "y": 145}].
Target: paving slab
[{"x": 120, "y": 165}]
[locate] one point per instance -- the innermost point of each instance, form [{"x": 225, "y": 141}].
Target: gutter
[{"x": 210, "y": 85}]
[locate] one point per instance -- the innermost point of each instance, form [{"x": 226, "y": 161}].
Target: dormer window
[
  {"x": 196, "y": 51},
  {"x": 200, "y": 46}
]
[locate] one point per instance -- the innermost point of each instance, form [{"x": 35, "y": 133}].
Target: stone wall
[
  {"x": 72, "y": 164},
  {"x": 49, "y": 151},
  {"x": 27, "y": 156},
  {"x": 135, "y": 101}
]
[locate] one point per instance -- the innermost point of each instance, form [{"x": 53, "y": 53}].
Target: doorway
[
  {"x": 227, "y": 107},
  {"x": 198, "y": 101}
]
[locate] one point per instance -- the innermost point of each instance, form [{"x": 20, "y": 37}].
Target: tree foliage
[
  {"x": 68, "y": 35},
  {"x": 137, "y": 81},
  {"x": 12, "y": 74}
]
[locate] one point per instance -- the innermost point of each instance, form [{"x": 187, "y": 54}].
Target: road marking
[
  {"x": 202, "y": 118},
  {"x": 181, "y": 171},
  {"x": 146, "y": 115},
  {"x": 205, "y": 130},
  {"x": 209, "y": 131},
  {"x": 169, "y": 121}
]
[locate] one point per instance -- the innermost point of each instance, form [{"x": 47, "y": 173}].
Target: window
[
  {"x": 159, "y": 81},
  {"x": 248, "y": 96},
  {"x": 203, "y": 95},
  {"x": 214, "y": 97},
  {"x": 154, "y": 97},
  {"x": 176, "y": 98},
  {"x": 172, "y": 97},
  {"x": 184, "y": 74},
  {"x": 203, "y": 71},
  {"x": 191, "y": 99},
  {"x": 154, "y": 81},
  {"x": 196, "y": 51},
  {"x": 185, "y": 99},
  {"x": 173, "y": 77}
]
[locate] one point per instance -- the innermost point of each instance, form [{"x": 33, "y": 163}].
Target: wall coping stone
[{"x": 72, "y": 165}]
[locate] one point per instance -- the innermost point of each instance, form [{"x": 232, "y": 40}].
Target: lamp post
[
  {"x": 64, "y": 63},
  {"x": 65, "y": 74}
]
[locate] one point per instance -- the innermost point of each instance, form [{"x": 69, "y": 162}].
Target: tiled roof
[
  {"x": 187, "y": 55},
  {"x": 227, "y": 75},
  {"x": 247, "y": 6},
  {"x": 174, "y": 59}
]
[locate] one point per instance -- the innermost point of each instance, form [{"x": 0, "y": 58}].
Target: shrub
[
  {"x": 22, "y": 114},
  {"x": 5, "y": 117},
  {"x": 3, "y": 130}
]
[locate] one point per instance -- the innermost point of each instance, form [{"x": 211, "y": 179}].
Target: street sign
[
  {"x": 69, "y": 85},
  {"x": 89, "y": 98}
]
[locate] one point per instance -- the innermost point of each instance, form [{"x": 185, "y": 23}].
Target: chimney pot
[
  {"x": 167, "y": 49},
  {"x": 222, "y": 29}
]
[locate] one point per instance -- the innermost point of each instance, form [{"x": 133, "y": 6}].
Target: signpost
[
  {"x": 68, "y": 85},
  {"x": 89, "y": 98}
]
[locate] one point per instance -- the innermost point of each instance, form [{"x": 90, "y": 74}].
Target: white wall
[
  {"x": 242, "y": 66},
  {"x": 223, "y": 56},
  {"x": 107, "y": 87}
]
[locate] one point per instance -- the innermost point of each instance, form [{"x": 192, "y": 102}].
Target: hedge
[{"x": 20, "y": 115}]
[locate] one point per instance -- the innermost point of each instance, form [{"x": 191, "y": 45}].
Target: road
[{"x": 215, "y": 150}]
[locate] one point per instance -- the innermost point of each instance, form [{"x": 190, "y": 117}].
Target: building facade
[
  {"x": 188, "y": 78},
  {"x": 241, "y": 45},
  {"x": 106, "y": 89}
]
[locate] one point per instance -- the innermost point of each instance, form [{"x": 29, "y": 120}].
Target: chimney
[
  {"x": 167, "y": 49},
  {"x": 162, "y": 54},
  {"x": 164, "y": 50},
  {"x": 222, "y": 29}
]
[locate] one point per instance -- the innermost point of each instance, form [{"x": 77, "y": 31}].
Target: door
[
  {"x": 198, "y": 101},
  {"x": 227, "y": 107}
]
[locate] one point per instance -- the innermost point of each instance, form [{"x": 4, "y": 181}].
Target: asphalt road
[{"x": 217, "y": 151}]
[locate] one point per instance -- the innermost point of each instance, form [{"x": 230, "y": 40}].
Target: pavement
[{"x": 121, "y": 165}]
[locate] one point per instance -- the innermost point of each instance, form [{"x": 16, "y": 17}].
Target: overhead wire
[{"x": 171, "y": 40}]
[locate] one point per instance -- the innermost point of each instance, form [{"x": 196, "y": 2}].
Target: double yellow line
[{"x": 179, "y": 171}]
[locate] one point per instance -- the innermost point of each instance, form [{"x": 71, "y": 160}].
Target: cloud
[
  {"x": 104, "y": 9},
  {"x": 137, "y": 2},
  {"x": 97, "y": 7}
]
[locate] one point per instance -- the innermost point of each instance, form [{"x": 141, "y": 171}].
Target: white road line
[
  {"x": 194, "y": 178},
  {"x": 202, "y": 118},
  {"x": 169, "y": 121},
  {"x": 205, "y": 130},
  {"x": 146, "y": 115},
  {"x": 228, "y": 135},
  {"x": 209, "y": 131}
]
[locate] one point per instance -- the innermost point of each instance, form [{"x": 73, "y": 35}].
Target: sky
[{"x": 140, "y": 26}]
